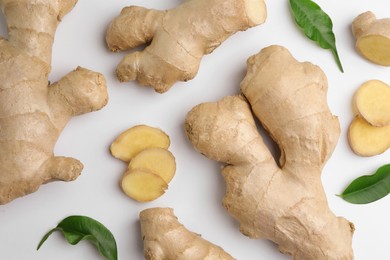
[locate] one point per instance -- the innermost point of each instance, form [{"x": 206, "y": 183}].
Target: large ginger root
[
  {"x": 372, "y": 37},
  {"x": 285, "y": 203},
  {"x": 32, "y": 112},
  {"x": 179, "y": 37},
  {"x": 165, "y": 238}
]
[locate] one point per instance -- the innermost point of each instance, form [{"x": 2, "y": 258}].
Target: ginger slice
[
  {"x": 142, "y": 185},
  {"x": 372, "y": 38},
  {"x": 375, "y": 48},
  {"x": 372, "y": 102},
  {"x": 138, "y": 138},
  {"x": 33, "y": 111},
  {"x": 368, "y": 140},
  {"x": 159, "y": 161}
]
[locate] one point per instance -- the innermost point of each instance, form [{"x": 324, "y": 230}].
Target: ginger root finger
[
  {"x": 156, "y": 160},
  {"x": 372, "y": 37},
  {"x": 33, "y": 113},
  {"x": 142, "y": 185},
  {"x": 178, "y": 37},
  {"x": 165, "y": 238},
  {"x": 372, "y": 102},
  {"x": 81, "y": 90},
  {"x": 368, "y": 140},
  {"x": 128, "y": 30},
  {"x": 136, "y": 139},
  {"x": 289, "y": 99}
]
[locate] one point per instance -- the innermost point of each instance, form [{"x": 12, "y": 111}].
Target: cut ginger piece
[
  {"x": 159, "y": 161},
  {"x": 368, "y": 140},
  {"x": 372, "y": 102},
  {"x": 372, "y": 38},
  {"x": 142, "y": 185},
  {"x": 136, "y": 139}
]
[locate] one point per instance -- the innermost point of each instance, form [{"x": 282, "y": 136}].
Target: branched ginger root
[
  {"x": 165, "y": 238},
  {"x": 286, "y": 203},
  {"x": 33, "y": 112},
  {"x": 179, "y": 37},
  {"x": 372, "y": 37}
]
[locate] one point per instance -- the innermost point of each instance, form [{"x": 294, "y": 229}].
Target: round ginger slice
[
  {"x": 375, "y": 48},
  {"x": 136, "y": 139},
  {"x": 372, "y": 101},
  {"x": 142, "y": 185},
  {"x": 368, "y": 140},
  {"x": 159, "y": 161}
]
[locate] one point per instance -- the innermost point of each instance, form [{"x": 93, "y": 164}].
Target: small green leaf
[
  {"x": 369, "y": 188},
  {"x": 77, "y": 228},
  {"x": 316, "y": 25}
]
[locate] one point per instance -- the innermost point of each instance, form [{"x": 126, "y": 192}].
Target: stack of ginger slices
[
  {"x": 369, "y": 132},
  {"x": 150, "y": 165}
]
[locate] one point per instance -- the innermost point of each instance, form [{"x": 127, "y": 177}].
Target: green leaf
[
  {"x": 316, "y": 25},
  {"x": 77, "y": 228},
  {"x": 369, "y": 188}
]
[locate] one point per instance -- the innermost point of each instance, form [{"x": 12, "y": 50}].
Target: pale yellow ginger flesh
[
  {"x": 33, "y": 112},
  {"x": 151, "y": 165},
  {"x": 178, "y": 37},
  {"x": 136, "y": 139},
  {"x": 156, "y": 160},
  {"x": 142, "y": 185},
  {"x": 283, "y": 202},
  {"x": 164, "y": 237},
  {"x": 368, "y": 140},
  {"x": 372, "y": 37},
  {"x": 372, "y": 102}
]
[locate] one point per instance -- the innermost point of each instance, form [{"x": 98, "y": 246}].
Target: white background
[{"x": 197, "y": 190}]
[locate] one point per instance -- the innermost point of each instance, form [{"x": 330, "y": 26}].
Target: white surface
[{"x": 197, "y": 189}]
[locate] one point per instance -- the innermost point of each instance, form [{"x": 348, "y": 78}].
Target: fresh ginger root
[
  {"x": 286, "y": 203},
  {"x": 156, "y": 160},
  {"x": 178, "y": 37},
  {"x": 33, "y": 112},
  {"x": 165, "y": 238},
  {"x": 372, "y": 37},
  {"x": 369, "y": 132},
  {"x": 151, "y": 166}
]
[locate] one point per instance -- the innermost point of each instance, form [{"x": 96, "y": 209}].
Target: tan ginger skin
[
  {"x": 165, "y": 238},
  {"x": 33, "y": 112},
  {"x": 286, "y": 203},
  {"x": 178, "y": 37},
  {"x": 372, "y": 37}
]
